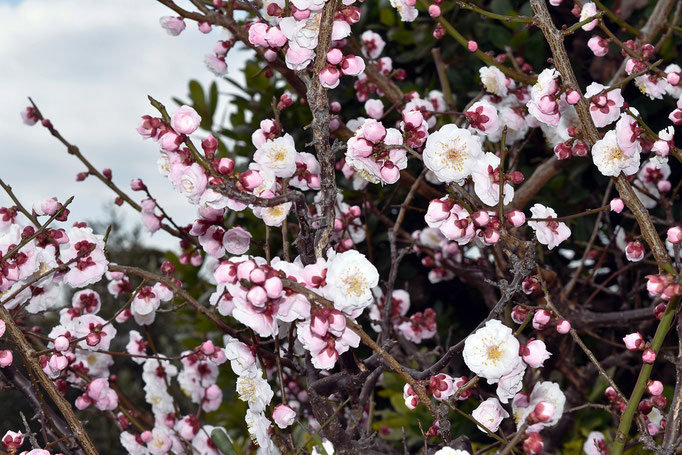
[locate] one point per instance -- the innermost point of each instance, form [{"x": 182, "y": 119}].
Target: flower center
[
  {"x": 454, "y": 154},
  {"x": 494, "y": 353},
  {"x": 355, "y": 283}
]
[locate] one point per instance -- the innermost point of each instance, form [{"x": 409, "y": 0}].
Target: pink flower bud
[
  {"x": 563, "y": 326},
  {"x": 660, "y": 402},
  {"x": 472, "y": 46},
  {"x": 664, "y": 186},
  {"x": 374, "y": 131},
  {"x": 481, "y": 218},
  {"x": 655, "y": 388},
  {"x": 572, "y": 97},
  {"x": 634, "y": 251},
  {"x": 580, "y": 149},
  {"x": 329, "y": 77},
  {"x": 491, "y": 235},
  {"x": 283, "y": 415},
  {"x": 434, "y": 11},
  {"x": 185, "y": 120},
  {"x": 12, "y": 440},
  {"x": 5, "y": 358},
  {"x": 251, "y": 180},
  {"x": 82, "y": 402},
  {"x": 61, "y": 343},
  {"x": 352, "y": 65},
  {"x": 204, "y": 27},
  {"x": 516, "y": 218},
  {"x": 337, "y": 322},
  {"x": 533, "y": 443},
  {"x": 534, "y": 353},
  {"x": 673, "y": 78},
  {"x": 675, "y": 235},
  {"x": 633, "y": 341},
  {"x": 659, "y": 310},
  {"x": 334, "y": 56},
  {"x": 257, "y": 276},
  {"x": 137, "y": 185},
  {"x": 413, "y": 119},
  {"x": 617, "y": 205},
  {"x": 170, "y": 141},
  {"x": 541, "y": 318},
  {"x": 519, "y": 314},
  {"x": 649, "y": 356},
  {"x": 147, "y": 436},
  {"x": 610, "y": 393},
  {"x": 207, "y": 347},
  {"x": 270, "y": 55},
  {"x": 374, "y": 108},
  {"x": 319, "y": 324},
  {"x": 543, "y": 412},
  {"x": 389, "y": 173},
  {"x": 58, "y": 362},
  {"x": 273, "y": 286},
  {"x": 257, "y": 296}
]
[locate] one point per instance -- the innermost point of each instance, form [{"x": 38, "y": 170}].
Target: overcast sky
[{"x": 89, "y": 65}]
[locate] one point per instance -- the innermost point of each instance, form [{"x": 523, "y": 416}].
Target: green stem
[
  {"x": 499, "y": 17},
  {"x": 644, "y": 373},
  {"x": 487, "y": 59}
]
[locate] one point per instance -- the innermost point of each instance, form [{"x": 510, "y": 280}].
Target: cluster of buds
[
  {"x": 614, "y": 400},
  {"x": 376, "y": 153},
  {"x": 635, "y": 342},
  {"x": 443, "y": 386},
  {"x": 663, "y": 286},
  {"x": 415, "y": 128},
  {"x": 337, "y": 65},
  {"x": 542, "y": 319}
]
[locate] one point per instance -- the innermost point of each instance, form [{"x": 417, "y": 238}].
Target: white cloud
[{"x": 89, "y": 65}]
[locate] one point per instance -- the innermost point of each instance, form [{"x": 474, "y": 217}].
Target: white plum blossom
[
  {"x": 490, "y": 414},
  {"x": 547, "y": 391},
  {"x": 550, "y": 233},
  {"x": 278, "y": 155},
  {"x": 350, "y": 279},
  {"x": 491, "y": 351},
  {"x": 485, "y": 174},
  {"x": 610, "y": 158},
  {"x": 255, "y": 390},
  {"x": 451, "y": 152},
  {"x": 408, "y": 12},
  {"x": 493, "y": 80}
]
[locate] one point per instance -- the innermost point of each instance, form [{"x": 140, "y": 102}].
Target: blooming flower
[
  {"x": 604, "y": 108},
  {"x": 491, "y": 351},
  {"x": 493, "y": 80},
  {"x": 543, "y": 391},
  {"x": 451, "y": 153},
  {"x": 550, "y": 233},
  {"x": 350, "y": 279},
  {"x": 278, "y": 156},
  {"x": 611, "y": 160},
  {"x": 588, "y": 10},
  {"x": 489, "y": 414},
  {"x": 595, "y": 444}
]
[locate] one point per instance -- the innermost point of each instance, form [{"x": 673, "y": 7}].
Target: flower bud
[
  {"x": 516, "y": 218},
  {"x": 633, "y": 341},
  {"x": 617, "y": 205},
  {"x": 137, "y": 185},
  {"x": 572, "y": 97},
  {"x": 251, "y": 180},
  {"x": 563, "y": 326},
  {"x": 185, "y": 120},
  {"x": 655, "y": 388},
  {"x": 634, "y": 251},
  {"x": 541, "y": 318},
  {"x": 283, "y": 415},
  {"x": 649, "y": 356},
  {"x": 472, "y": 46}
]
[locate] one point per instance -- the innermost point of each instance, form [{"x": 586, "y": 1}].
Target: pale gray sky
[{"x": 89, "y": 65}]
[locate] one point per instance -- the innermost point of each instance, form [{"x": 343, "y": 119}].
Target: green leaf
[
  {"x": 220, "y": 439},
  {"x": 196, "y": 92}
]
